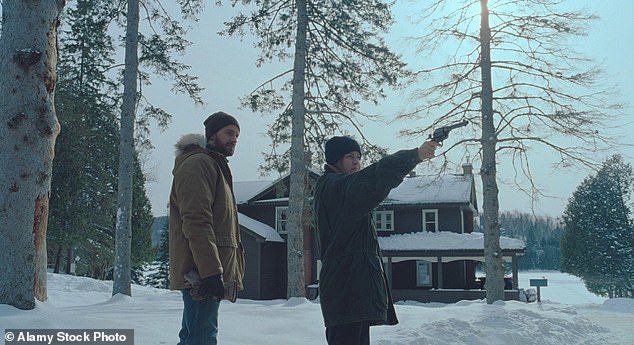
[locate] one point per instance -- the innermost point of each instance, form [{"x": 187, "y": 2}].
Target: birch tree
[
  {"x": 123, "y": 239},
  {"x": 28, "y": 128},
  {"x": 340, "y": 61},
  {"x": 155, "y": 52},
  {"x": 511, "y": 73}
]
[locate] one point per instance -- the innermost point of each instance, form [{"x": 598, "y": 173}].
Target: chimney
[
  {"x": 412, "y": 173},
  {"x": 467, "y": 169}
]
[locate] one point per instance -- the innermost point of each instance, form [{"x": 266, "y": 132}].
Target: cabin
[
  {"x": 262, "y": 215},
  {"x": 425, "y": 228},
  {"x": 429, "y": 248}
]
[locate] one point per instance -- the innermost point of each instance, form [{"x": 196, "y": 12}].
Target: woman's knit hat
[
  {"x": 217, "y": 121},
  {"x": 337, "y": 147}
]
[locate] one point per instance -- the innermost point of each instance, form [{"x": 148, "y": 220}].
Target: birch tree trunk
[
  {"x": 296, "y": 285},
  {"x": 28, "y": 128},
  {"x": 494, "y": 284},
  {"x": 123, "y": 239}
]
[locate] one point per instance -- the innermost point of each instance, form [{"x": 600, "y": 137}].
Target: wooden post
[
  {"x": 439, "y": 267},
  {"x": 539, "y": 283}
]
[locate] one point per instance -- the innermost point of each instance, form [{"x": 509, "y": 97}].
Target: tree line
[{"x": 541, "y": 234}]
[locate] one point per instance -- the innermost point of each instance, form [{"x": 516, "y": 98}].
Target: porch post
[
  {"x": 515, "y": 274},
  {"x": 388, "y": 272},
  {"x": 439, "y": 259}
]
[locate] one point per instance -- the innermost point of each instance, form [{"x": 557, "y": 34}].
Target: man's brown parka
[{"x": 203, "y": 223}]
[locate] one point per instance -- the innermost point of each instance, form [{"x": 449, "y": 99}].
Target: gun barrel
[{"x": 457, "y": 125}]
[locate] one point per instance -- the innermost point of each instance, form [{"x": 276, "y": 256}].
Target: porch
[{"x": 440, "y": 267}]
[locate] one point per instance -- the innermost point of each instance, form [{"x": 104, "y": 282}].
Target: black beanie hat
[
  {"x": 218, "y": 120},
  {"x": 337, "y": 147}
]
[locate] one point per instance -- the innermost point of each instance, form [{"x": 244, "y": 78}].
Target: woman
[{"x": 353, "y": 288}]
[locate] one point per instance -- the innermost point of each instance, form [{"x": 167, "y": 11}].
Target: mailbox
[{"x": 539, "y": 282}]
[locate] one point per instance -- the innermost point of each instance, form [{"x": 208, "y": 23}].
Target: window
[
  {"x": 384, "y": 220},
  {"x": 281, "y": 219},
  {"x": 423, "y": 273},
  {"x": 430, "y": 220}
]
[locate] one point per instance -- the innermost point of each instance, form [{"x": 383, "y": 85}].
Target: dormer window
[
  {"x": 384, "y": 220},
  {"x": 430, "y": 220}
]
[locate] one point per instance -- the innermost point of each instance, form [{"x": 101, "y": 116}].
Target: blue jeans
[{"x": 200, "y": 321}]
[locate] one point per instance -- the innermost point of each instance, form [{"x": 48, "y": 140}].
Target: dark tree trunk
[{"x": 494, "y": 284}]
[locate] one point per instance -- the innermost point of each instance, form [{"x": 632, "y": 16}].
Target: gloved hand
[{"x": 210, "y": 287}]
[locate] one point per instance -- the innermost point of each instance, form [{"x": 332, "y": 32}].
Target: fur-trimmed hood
[
  {"x": 204, "y": 231},
  {"x": 187, "y": 140}
]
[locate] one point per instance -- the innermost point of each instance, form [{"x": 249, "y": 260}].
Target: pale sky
[{"x": 226, "y": 68}]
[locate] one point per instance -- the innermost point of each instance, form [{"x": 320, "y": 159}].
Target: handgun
[{"x": 442, "y": 133}]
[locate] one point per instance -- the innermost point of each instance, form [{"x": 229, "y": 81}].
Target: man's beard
[
  {"x": 225, "y": 149},
  {"x": 228, "y": 151}
]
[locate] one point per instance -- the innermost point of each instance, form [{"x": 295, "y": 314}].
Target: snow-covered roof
[
  {"x": 443, "y": 240},
  {"x": 272, "y": 201},
  {"x": 266, "y": 232},
  {"x": 413, "y": 190},
  {"x": 245, "y": 190},
  {"x": 432, "y": 189}
]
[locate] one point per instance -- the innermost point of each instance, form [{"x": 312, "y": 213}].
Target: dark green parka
[{"x": 352, "y": 283}]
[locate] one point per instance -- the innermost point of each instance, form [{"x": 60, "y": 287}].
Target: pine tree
[
  {"x": 141, "y": 250},
  {"x": 347, "y": 63},
  {"x": 339, "y": 58},
  {"x": 160, "y": 278},
  {"x": 152, "y": 57},
  {"x": 598, "y": 240},
  {"x": 84, "y": 184},
  {"x": 83, "y": 174}
]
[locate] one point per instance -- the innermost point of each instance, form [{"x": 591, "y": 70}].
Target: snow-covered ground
[{"x": 568, "y": 314}]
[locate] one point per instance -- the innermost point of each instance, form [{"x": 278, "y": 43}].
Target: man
[
  {"x": 206, "y": 254},
  {"x": 353, "y": 288}
]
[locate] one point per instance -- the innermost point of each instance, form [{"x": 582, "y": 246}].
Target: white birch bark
[{"x": 123, "y": 238}]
